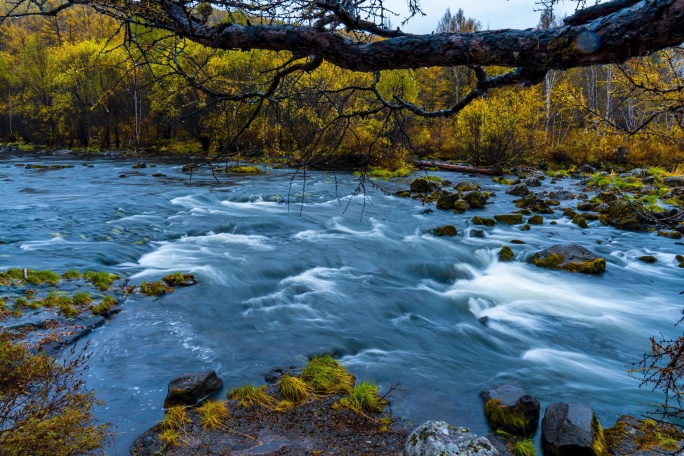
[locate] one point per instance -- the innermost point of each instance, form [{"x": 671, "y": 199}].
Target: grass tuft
[
  {"x": 524, "y": 447},
  {"x": 324, "y": 375},
  {"x": 102, "y": 280},
  {"x": 292, "y": 389},
  {"x": 251, "y": 395},
  {"x": 154, "y": 288},
  {"x": 81, "y": 299},
  {"x": 107, "y": 303},
  {"x": 212, "y": 413},
  {"x": 364, "y": 399},
  {"x": 71, "y": 274}
]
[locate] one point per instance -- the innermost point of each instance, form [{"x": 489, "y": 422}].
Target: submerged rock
[
  {"x": 434, "y": 438},
  {"x": 572, "y": 429},
  {"x": 648, "y": 259},
  {"x": 191, "y": 387},
  {"x": 573, "y": 258},
  {"x": 509, "y": 408}
]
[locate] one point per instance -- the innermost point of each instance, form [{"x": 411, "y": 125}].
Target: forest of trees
[{"x": 82, "y": 80}]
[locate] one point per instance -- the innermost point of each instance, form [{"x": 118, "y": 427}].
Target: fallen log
[{"x": 491, "y": 170}]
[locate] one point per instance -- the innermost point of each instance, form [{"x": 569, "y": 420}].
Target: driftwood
[{"x": 491, "y": 170}]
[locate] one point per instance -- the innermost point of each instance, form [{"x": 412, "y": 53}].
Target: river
[{"x": 368, "y": 283}]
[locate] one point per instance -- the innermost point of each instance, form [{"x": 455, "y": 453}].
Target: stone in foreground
[
  {"x": 573, "y": 258},
  {"x": 510, "y": 409},
  {"x": 191, "y": 387},
  {"x": 572, "y": 429},
  {"x": 438, "y": 438}
]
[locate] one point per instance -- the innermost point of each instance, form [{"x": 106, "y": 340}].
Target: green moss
[
  {"x": 386, "y": 174},
  {"x": 57, "y": 299},
  {"x": 536, "y": 220},
  {"x": 552, "y": 261},
  {"x": 599, "y": 445},
  {"x": 483, "y": 221},
  {"x": 154, "y": 288},
  {"x": 446, "y": 230},
  {"x": 105, "y": 306},
  {"x": 510, "y": 219},
  {"x": 81, "y": 299},
  {"x": 244, "y": 169},
  {"x": 364, "y": 399},
  {"x": 460, "y": 206},
  {"x": 20, "y": 303},
  {"x": 670, "y": 234},
  {"x": 580, "y": 221},
  {"x": 71, "y": 274},
  {"x": 102, "y": 280},
  {"x": 324, "y": 375},
  {"x": 596, "y": 266},
  {"x": 404, "y": 194},
  {"x": 178, "y": 278},
  {"x": 249, "y": 395},
  {"x": 506, "y": 254},
  {"x": 509, "y": 419}
]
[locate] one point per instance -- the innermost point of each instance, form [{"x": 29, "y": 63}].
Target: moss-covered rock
[
  {"x": 580, "y": 221},
  {"x": 476, "y": 200},
  {"x": 621, "y": 215},
  {"x": 466, "y": 186},
  {"x": 446, "y": 230},
  {"x": 572, "y": 258},
  {"x": 446, "y": 201},
  {"x": 670, "y": 234},
  {"x": 572, "y": 429},
  {"x": 403, "y": 194},
  {"x": 506, "y": 254},
  {"x": 648, "y": 259},
  {"x": 460, "y": 206},
  {"x": 536, "y": 220},
  {"x": 510, "y": 219},
  {"x": 422, "y": 185},
  {"x": 585, "y": 206},
  {"x": 643, "y": 437},
  {"x": 508, "y": 408},
  {"x": 526, "y": 227},
  {"x": 483, "y": 221}
]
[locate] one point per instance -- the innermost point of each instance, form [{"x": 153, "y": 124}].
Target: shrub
[{"x": 45, "y": 407}]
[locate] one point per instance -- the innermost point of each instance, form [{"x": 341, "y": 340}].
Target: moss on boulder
[
  {"x": 572, "y": 258},
  {"x": 483, "y": 221},
  {"x": 510, "y": 219},
  {"x": 536, "y": 220},
  {"x": 506, "y": 254},
  {"x": 476, "y": 200},
  {"x": 446, "y": 230}
]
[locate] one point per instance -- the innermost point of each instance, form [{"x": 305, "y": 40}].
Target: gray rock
[
  {"x": 273, "y": 375},
  {"x": 518, "y": 190},
  {"x": 425, "y": 186},
  {"x": 629, "y": 433},
  {"x": 512, "y": 401},
  {"x": 587, "y": 169},
  {"x": 191, "y": 387},
  {"x": 571, "y": 429},
  {"x": 434, "y": 438},
  {"x": 532, "y": 182},
  {"x": 675, "y": 181}
]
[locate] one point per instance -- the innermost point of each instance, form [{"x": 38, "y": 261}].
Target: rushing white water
[{"x": 278, "y": 283}]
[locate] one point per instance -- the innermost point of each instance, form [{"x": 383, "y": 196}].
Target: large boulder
[
  {"x": 446, "y": 201},
  {"x": 509, "y": 219},
  {"x": 532, "y": 182},
  {"x": 643, "y": 437},
  {"x": 191, "y": 387},
  {"x": 674, "y": 181},
  {"x": 509, "y": 408},
  {"x": 434, "y": 438},
  {"x": 518, "y": 190},
  {"x": 572, "y": 429},
  {"x": 476, "y": 200},
  {"x": 572, "y": 258},
  {"x": 425, "y": 186},
  {"x": 622, "y": 215}
]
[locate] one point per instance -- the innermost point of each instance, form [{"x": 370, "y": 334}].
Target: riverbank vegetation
[{"x": 69, "y": 81}]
